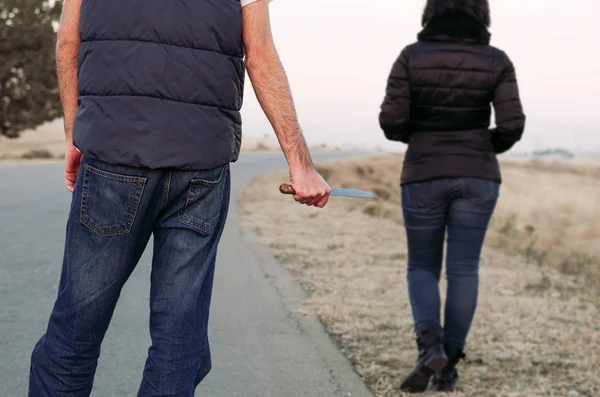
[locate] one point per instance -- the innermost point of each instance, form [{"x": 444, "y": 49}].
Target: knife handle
[{"x": 286, "y": 188}]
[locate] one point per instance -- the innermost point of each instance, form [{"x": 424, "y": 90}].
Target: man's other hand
[
  {"x": 310, "y": 187},
  {"x": 72, "y": 163}
]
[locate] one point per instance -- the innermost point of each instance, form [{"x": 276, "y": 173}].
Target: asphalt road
[{"x": 261, "y": 348}]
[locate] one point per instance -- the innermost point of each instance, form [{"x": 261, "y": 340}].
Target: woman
[{"x": 437, "y": 101}]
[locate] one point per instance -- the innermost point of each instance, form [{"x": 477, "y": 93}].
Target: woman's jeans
[{"x": 463, "y": 207}]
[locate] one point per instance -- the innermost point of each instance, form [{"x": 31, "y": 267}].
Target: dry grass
[
  {"x": 268, "y": 144},
  {"x": 44, "y": 143},
  {"x": 536, "y": 331}
]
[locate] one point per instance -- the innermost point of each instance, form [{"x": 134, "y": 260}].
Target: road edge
[{"x": 342, "y": 374}]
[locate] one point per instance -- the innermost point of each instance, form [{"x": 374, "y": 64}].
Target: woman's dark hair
[{"x": 478, "y": 9}]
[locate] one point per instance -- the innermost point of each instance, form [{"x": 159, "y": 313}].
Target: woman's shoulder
[
  {"x": 412, "y": 49},
  {"x": 497, "y": 51},
  {"x": 501, "y": 56}
]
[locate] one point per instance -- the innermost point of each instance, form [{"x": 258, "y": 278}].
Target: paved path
[{"x": 260, "y": 347}]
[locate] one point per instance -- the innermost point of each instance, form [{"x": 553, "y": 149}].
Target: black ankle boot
[
  {"x": 445, "y": 380},
  {"x": 431, "y": 360}
]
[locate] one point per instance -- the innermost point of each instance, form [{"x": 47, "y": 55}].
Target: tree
[{"x": 28, "y": 83}]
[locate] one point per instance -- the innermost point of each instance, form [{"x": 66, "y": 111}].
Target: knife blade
[{"x": 286, "y": 188}]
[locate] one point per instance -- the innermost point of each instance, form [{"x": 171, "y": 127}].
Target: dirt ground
[{"x": 537, "y": 326}]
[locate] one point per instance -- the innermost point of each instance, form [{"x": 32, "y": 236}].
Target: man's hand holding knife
[{"x": 272, "y": 90}]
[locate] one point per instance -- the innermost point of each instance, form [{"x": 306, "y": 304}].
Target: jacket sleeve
[
  {"x": 394, "y": 118},
  {"x": 510, "y": 120}
]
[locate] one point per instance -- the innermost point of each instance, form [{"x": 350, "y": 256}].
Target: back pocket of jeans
[
  {"x": 204, "y": 200},
  {"x": 481, "y": 191},
  {"x": 109, "y": 201},
  {"x": 420, "y": 196}
]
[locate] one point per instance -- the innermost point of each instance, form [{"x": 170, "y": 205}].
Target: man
[{"x": 151, "y": 92}]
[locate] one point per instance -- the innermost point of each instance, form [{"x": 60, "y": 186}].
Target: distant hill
[{"x": 557, "y": 152}]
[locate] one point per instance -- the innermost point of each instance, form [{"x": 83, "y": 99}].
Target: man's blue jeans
[
  {"x": 114, "y": 212},
  {"x": 463, "y": 207}
]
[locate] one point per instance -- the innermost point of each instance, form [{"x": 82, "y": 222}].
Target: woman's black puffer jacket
[{"x": 438, "y": 101}]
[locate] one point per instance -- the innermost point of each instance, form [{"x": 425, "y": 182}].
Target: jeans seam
[{"x": 167, "y": 189}]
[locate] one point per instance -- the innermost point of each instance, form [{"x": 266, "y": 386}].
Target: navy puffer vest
[{"x": 160, "y": 82}]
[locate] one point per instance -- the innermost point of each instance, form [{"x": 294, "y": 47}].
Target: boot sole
[{"x": 417, "y": 381}]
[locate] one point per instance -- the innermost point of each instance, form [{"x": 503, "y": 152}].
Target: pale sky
[{"x": 338, "y": 53}]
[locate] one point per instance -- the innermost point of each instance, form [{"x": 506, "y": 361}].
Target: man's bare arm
[
  {"x": 67, "y": 46},
  {"x": 271, "y": 86}
]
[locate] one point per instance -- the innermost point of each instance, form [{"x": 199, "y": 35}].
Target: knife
[{"x": 286, "y": 188}]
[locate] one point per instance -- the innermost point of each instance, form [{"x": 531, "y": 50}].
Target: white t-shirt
[{"x": 246, "y": 2}]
